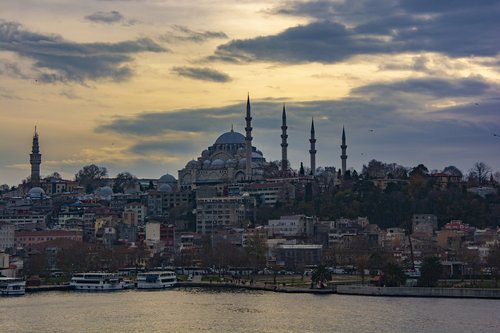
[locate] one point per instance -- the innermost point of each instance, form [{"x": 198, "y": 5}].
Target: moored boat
[
  {"x": 97, "y": 282},
  {"x": 12, "y": 286},
  {"x": 156, "y": 280}
]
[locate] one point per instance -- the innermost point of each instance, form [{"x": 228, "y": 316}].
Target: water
[{"x": 196, "y": 310}]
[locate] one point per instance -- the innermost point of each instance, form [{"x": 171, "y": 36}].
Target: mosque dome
[
  {"x": 105, "y": 191},
  {"x": 165, "y": 188},
  {"x": 242, "y": 163},
  {"x": 217, "y": 164},
  {"x": 241, "y": 151},
  {"x": 192, "y": 164},
  {"x": 205, "y": 153},
  {"x": 36, "y": 193},
  {"x": 167, "y": 178},
  {"x": 231, "y": 137},
  {"x": 206, "y": 164},
  {"x": 256, "y": 155},
  {"x": 231, "y": 163}
]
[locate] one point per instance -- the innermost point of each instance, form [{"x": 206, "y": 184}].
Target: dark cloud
[
  {"x": 441, "y": 88},
  {"x": 106, "y": 17},
  {"x": 59, "y": 60},
  {"x": 418, "y": 64},
  {"x": 341, "y": 30},
  {"x": 323, "y": 42},
  {"x": 184, "y": 34},
  {"x": 166, "y": 146},
  {"x": 203, "y": 74}
]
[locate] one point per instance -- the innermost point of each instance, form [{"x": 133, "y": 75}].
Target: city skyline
[{"x": 144, "y": 86}]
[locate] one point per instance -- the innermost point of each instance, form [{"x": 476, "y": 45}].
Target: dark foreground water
[{"x": 193, "y": 310}]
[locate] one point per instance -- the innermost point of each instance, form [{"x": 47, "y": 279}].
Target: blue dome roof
[{"x": 231, "y": 137}]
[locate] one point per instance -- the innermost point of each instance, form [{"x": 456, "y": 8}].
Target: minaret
[
  {"x": 284, "y": 144},
  {"x": 35, "y": 161},
  {"x": 344, "y": 155},
  {"x": 312, "y": 151},
  {"x": 248, "y": 142}
]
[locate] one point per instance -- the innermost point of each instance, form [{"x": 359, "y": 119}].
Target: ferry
[
  {"x": 156, "y": 280},
  {"x": 12, "y": 286},
  {"x": 97, "y": 282}
]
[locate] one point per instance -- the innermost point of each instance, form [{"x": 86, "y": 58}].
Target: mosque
[{"x": 232, "y": 158}]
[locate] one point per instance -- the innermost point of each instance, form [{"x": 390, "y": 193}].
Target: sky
[{"x": 145, "y": 85}]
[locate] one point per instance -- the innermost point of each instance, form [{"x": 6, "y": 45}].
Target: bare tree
[
  {"x": 479, "y": 173},
  {"x": 90, "y": 176}
]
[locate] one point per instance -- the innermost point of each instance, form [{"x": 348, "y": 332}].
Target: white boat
[
  {"x": 12, "y": 286},
  {"x": 97, "y": 282},
  {"x": 156, "y": 280}
]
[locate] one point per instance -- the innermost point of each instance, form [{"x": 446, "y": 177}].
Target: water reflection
[{"x": 215, "y": 310}]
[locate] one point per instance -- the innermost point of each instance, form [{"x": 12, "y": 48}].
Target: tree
[
  {"x": 122, "y": 181},
  {"x": 90, "y": 176},
  {"x": 430, "y": 272},
  {"x": 479, "y": 173},
  {"x": 453, "y": 171},
  {"x": 420, "y": 170},
  {"x": 320, "y": 275},
  {"x": 374, "y": 169},
  {"x": 256, "y": 251},
  {"x": 393, "y": 275},
  {"x": 4, "y": 188},
  {"x": 54, "y": 175}
]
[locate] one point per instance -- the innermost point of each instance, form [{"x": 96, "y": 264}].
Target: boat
[
  {"x": 97, "y": 282},
  {"x": 156, "y": 280},
  {"x": 12, "y": 286}
]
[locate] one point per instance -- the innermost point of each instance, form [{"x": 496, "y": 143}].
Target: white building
[
  {"x": 153, "y": 231},
  {"x": 292, "y": 226}
]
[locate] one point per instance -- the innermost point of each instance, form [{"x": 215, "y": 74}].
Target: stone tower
[
  {"x": 312, "y": 151},
  {"x": 284, "y": 144},
  {"x": 35, "y": 161},
  {"x": 344, "y": 153},
  {"x": 248, "y": 142}
]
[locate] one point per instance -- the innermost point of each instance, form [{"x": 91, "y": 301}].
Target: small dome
[
  {"x": 217, "y": 164},
  {"x": 242, "y": 163},
  {"x": 167, "y": 178},
  {"x": 230, "y": 137},
  {"x": 231, "y": 163},
  {"x": 241, "y": 151},
  {"x": 256, "y": 155},
  {"x": 205, "y": 153},
  {"x": 105, "y": 191},
  {"x": 36, "y": 192},
  {"x": 165, "y": 188},
  {"x": 192, "y": 164},
  {"x": 206, "y": 164}
]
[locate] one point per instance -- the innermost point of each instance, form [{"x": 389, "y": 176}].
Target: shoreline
[{"x": 355, "y": 290}]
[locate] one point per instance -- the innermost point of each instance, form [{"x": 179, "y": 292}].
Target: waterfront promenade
[{"x": 342, "y": 289}]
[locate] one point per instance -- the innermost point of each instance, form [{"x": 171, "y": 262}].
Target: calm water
[{"x": 211, "y": 311}]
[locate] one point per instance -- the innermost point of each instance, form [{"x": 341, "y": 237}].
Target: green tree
[
  {"x": 393, "y": 275},
  {"x": 430, "y": 272},
  {"x": 320, "y": 275}
]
